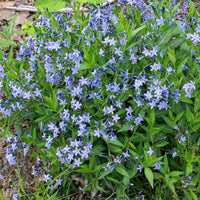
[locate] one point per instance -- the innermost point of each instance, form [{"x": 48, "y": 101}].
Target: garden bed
[{"x": 27, "y": 162}]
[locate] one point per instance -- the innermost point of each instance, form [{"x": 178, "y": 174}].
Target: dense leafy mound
[{"x": 111, "y": 97}]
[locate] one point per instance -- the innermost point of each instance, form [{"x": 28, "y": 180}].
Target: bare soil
[{"x": 11, "y": 172}]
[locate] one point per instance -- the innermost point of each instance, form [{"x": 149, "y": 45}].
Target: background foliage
[{"x": 111, "y": 98}]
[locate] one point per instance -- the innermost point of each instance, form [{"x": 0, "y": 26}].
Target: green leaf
[
  {"x": 138, "y": 17},
  {"x": 171, "y": 115},
  {"x": 14, "y": 117},
  {"x": 1, "y": 53},
  {"x": 188, "y": 169},
  {"x": 179, "y": 116},
  {"x": 122, "y": 170},
  {"x": 116, "y": 142},
  {"x": 83, "y": 170},
  {"x": 52, "y": 5},
  {"x": 186, "y": 100},
  {"x": 187, "y": 195},
  {"x": 157, "y": 130},
  {"x": 97, "y": 149},
  {"x": 189, "y": 114},
  {"x": 133, "y": 171},
  {"x": 124, "y": 129},
  {"x": 67, "y": 173},
  {"x": 171, "y": 55},
  {"x": 174, "y": 43},
  {"x": 121, "y": 112},
  {"x": 193, "y": 195},
  {"x": 53, "y": 161},
  {"x": 98, "y": 167},
  {"x": 27, "y": 25},
  {"x": 54, "y": 23},
  {"x": 149, "y": 175},
  {"x": 166, "y": 36},
  {"x": 133, "y": 153},
  {"x": 171, "y": 186},
  {"x": 175, "y": 173},
  {"x": 132, "y": 45},
  {"x": 134, "y": 32},
  {"x": 8, "y": 31},
  {"x": 41, "y": 144},
  {"x": 165, "y": 166},
  {"x": 126, "y": 180},
  {"x": 164, "y": 143},
  {"x": 115, "y": 149},
  {"x": 197, "y": 104},
  {"x": 192, "y": 10},
  {"x": 105, "y": 173},
  {"x": 50, "y": 103},
  {"x": 179, "y": 68},
  {"x": 85, "y": 65},
  {"x": 54, "y": 100},
  {"x": 34, "y": 134},
  {"x": 145, "y": 127},
  {"x": 45, "y": 118},
  {"x": 118, "y": 27},
  {"x": 91, "y": 162},
  {"x": 100, "y": 189},
  {"x": 175, "y": 9},
  {"x": 185, "y": 47},
  {"x": 196, "y": 126},
  {"x": 10, "y": 55},
  {"x": 157, "y": 175},
  {"x": 115, "y": 181},
  {"x": 152, "y": 119},
  {"x": 27, "y": 28},
  {"x": 169, "y": 122},
  {"x": 12, "y": 74},
  {"x": 6, "y": 131},
  {"x": 3, "y": 36}
]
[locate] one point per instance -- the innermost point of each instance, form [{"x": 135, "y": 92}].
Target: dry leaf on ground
[{"x": 7, "y": 4}]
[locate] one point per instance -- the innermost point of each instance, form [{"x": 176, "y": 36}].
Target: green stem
[
  {"x": 54, "y": 180},
  {"x": 151, "y": 136}
]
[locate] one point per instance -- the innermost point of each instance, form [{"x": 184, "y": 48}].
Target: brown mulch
[
  {"x": 11, "y": 171},
  {"x": 197, "y": 6},
  {"x": 6, "y": 15}
]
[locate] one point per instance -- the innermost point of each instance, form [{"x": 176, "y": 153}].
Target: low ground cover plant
[
  {"x": 111, "y": 98},
  {"x": 5, "y": 35}
]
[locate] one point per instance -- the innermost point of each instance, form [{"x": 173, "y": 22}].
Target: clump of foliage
[
  {"x": 111, "y": 97},
  {"x": 5, "y": 35}
]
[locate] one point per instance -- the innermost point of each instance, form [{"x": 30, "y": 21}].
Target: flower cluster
[
  {"x": 16, "y": 146},
  {"x": 186, "y": 181},
  {"x": 67, "y": 63},
  {"x": 188, "y": 88}
]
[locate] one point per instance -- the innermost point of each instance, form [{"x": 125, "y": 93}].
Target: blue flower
[
  {"x": 160, "y": 21},
  {"x": 140, "y": 168},
  {"x": 11, "y": 159},
  {"x": 2, "y": 177},
  {"x": 46, "y": 177},
  {"x": 174, "y": 154},
  {"x": 125, "y": 155},
  {"x": 15, "y": 197},
  {"x": 157, "y": 166},
  {"x": 150, "y": 152}
]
